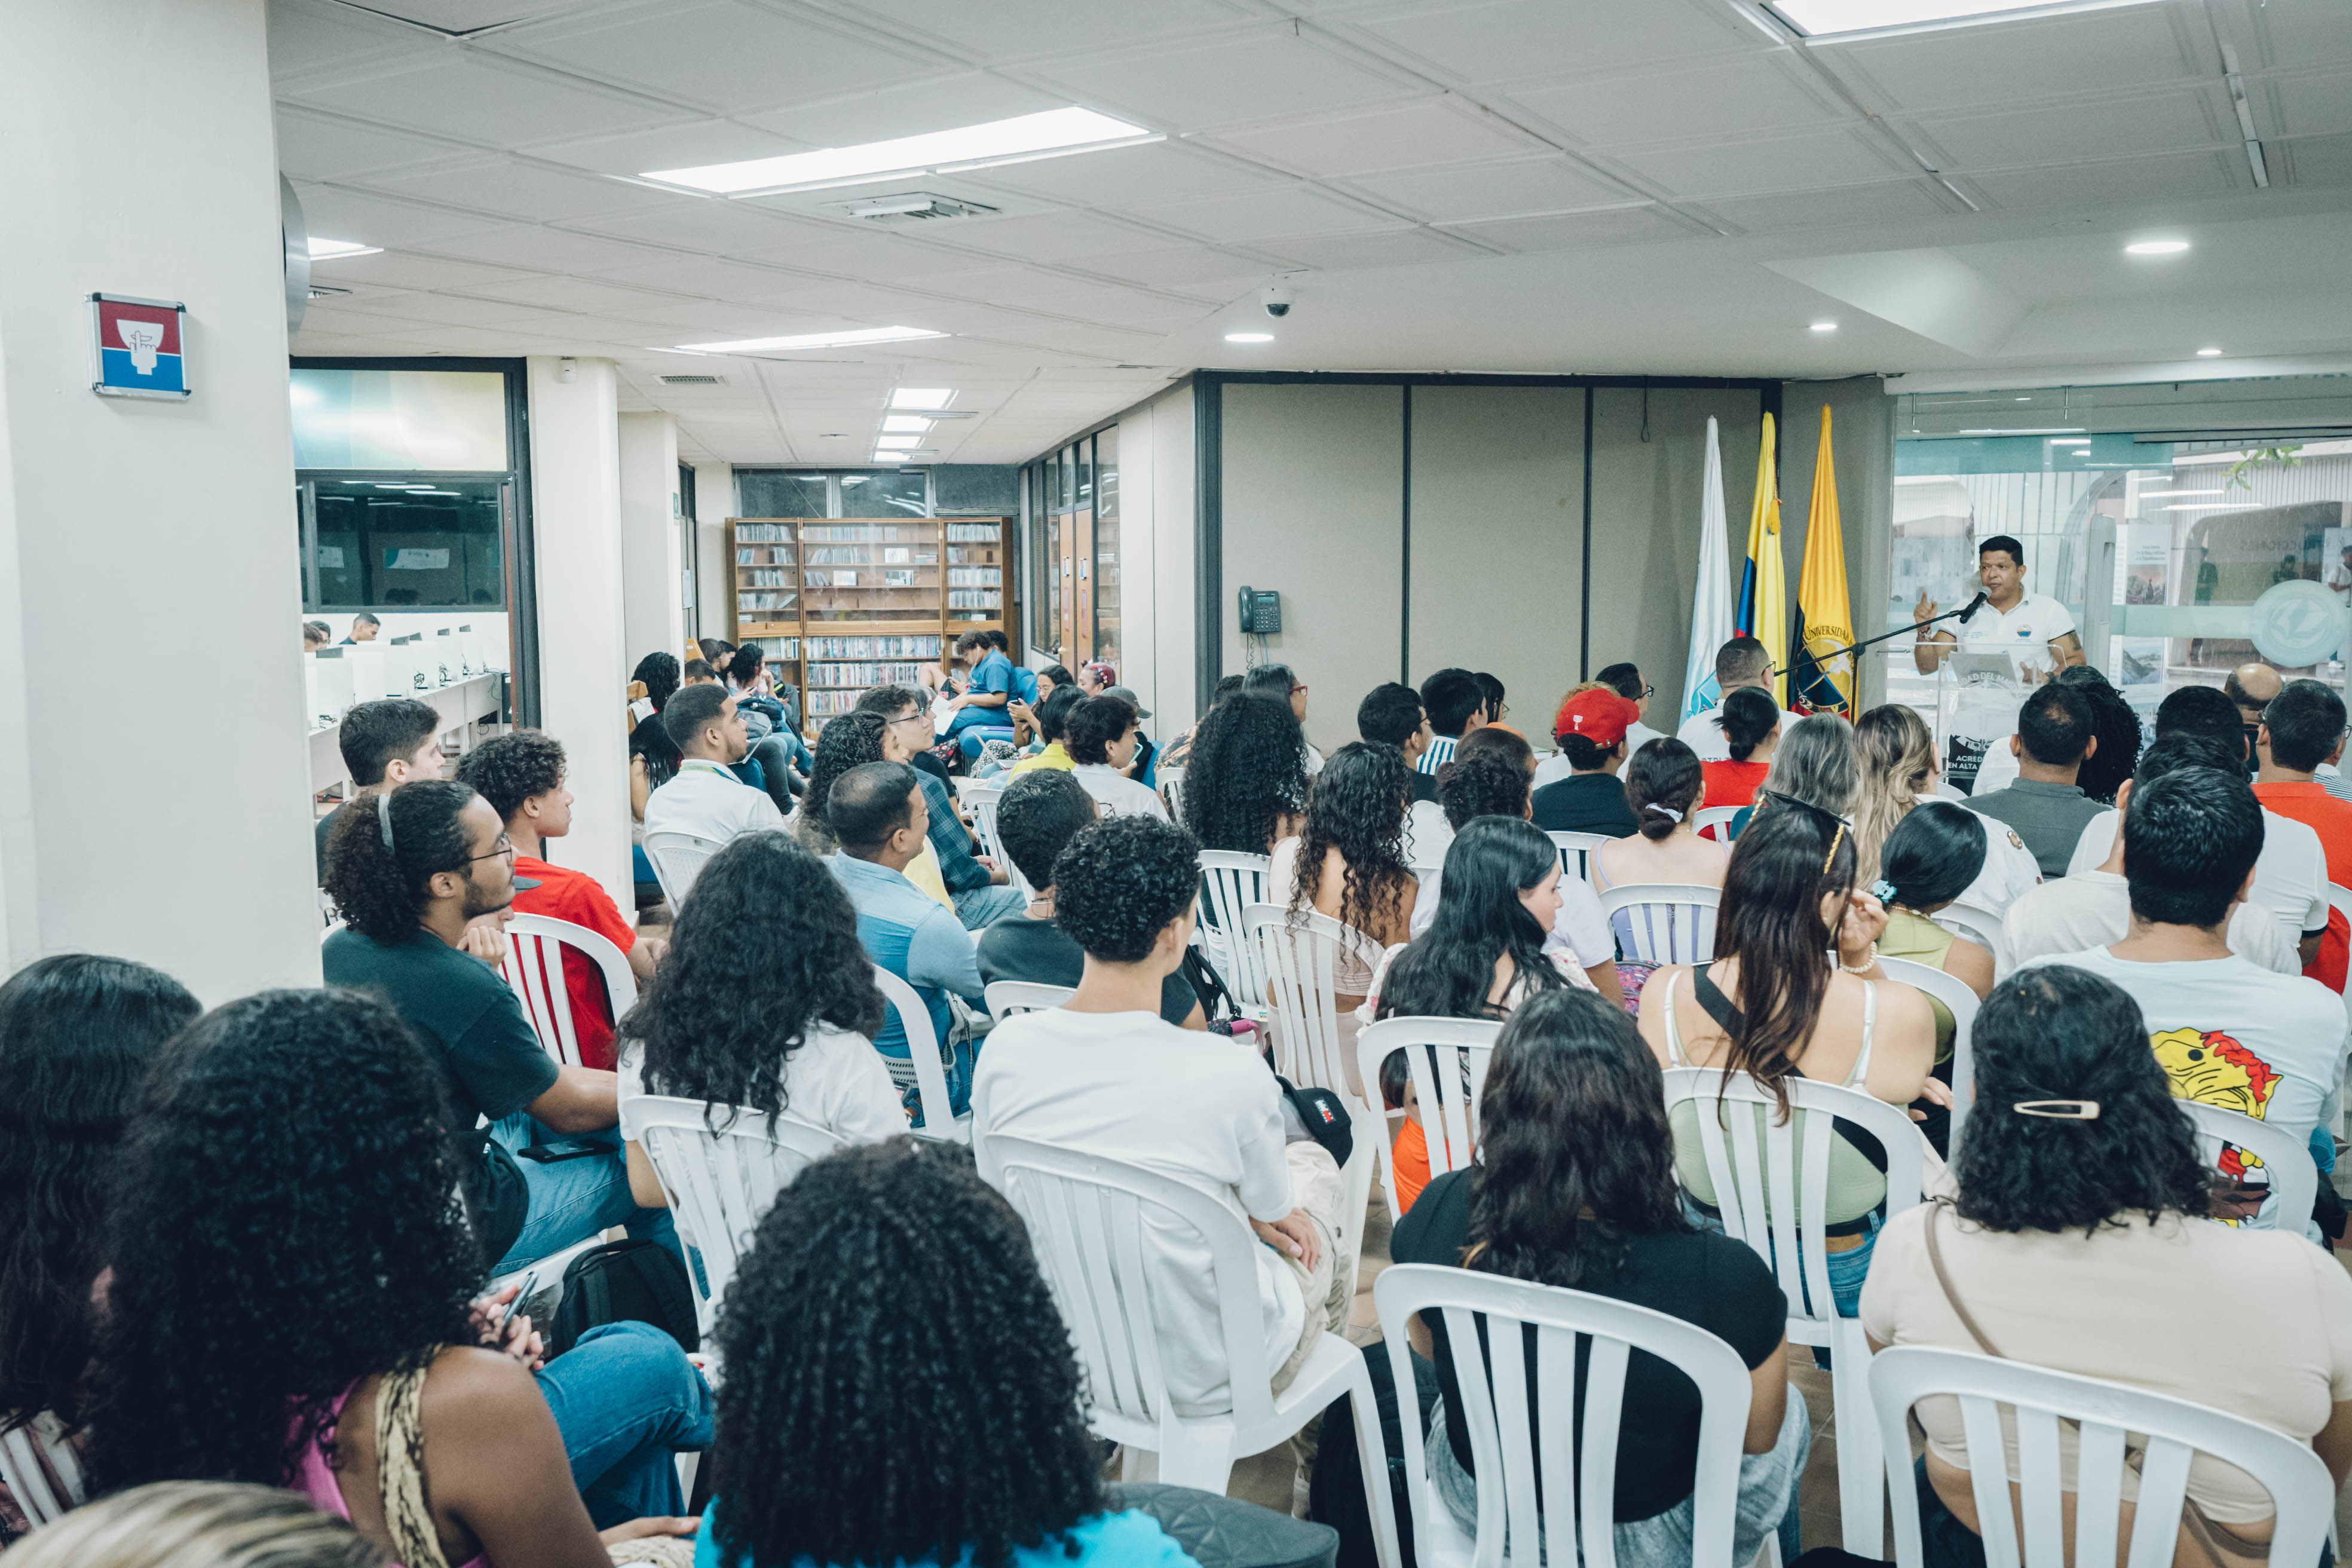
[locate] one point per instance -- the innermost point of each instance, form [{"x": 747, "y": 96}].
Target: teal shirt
[{"x": 1130, "y": 1540}]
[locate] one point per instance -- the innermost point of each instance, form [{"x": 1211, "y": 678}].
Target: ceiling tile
[
  {"x": 2140, "y": 122},
  {"x": 313, "y": 146},
  {"x": 1435, "y": 131},
  {"x": 546, "y": 249},
  {"x": 1383, "y": 248},
  {"x": 464, "y": 95},
  {"x": 1891, "y": 201},
  {"x": 1254, "y": 76},
  {"x": 722, "y": 227},
  {"x": 870, "y": 251},
  {"x": 2173, "y": 177},
  {"x": 1747, "y": 165},
  {"x": 937, "y": 102},
  {"x": 1463, "y": 192},
  {"x": 1737, "y": 98},
  {"x": 1507, "y": 40},
  {"x": 1057, "y": 237},
  {"x": 1577, "y": 231},
  {"x": 398, "y": 270},
  {"x": 1186, "y": 267},
  {"x": 312, "y": 35},
  {"x": 1009, "y": 32},
  {"x": 687, "y": 144},
  {"x": 1166, "y": 169},
  {"x": 1296, "y": 209},
  {"x": 339, "y": 212},
  {"x": 703, "y": 275},
  {"x": 450, "y": 310},
  {"x": 2319, "y": 160},
  {"x": 2315, "y": 105},
  {"x": 2286, "y": 32},
  {"x": 2130, "y": 46},
  {"x": 519, "y": 189},
  {"x": 574, "y": 294}
]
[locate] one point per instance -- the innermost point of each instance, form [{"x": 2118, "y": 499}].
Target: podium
[{"x": 1978, "y": 696}]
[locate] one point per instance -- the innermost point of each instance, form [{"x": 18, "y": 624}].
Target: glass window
[
  {"x": 423, "y": 541},
  {"x": 773, "y": 492},
  {"x": 886, "y": 492},
  {"x": 1106, "y": 547},
  {"x": 976, "y": 489}
]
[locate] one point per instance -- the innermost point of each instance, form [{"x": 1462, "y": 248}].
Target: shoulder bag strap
[
  {"x": 400, "y": 1470},
  {"x": 1718, "y": 1005}
]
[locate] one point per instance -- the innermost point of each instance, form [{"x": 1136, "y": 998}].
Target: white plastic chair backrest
[
  {"x": 1447, "y": 1059},
  {"x": 1994, "y": 1392},
  {"x": 1085, "y": 1215},
  {"x": 923, "y": 1055},
  {"x": 1007, "y": 998},
  {"x": 721, "y": 1180},
  {"x": 1715, "y": 816},
  {"x": 1666, "y": 923},
  {"x": 1954, "y": 993},
  {"x": 1576, "y": 853},
  {"x": 983, "y": 799},
  {"x": 1230, "y": 881},
  {"x": 2285, "y": 1160},
  {"x": 534, "y": 968},
  {"x": 32, "y": 1458},
  {"x": 1518, "y": 1443},
  {"x": 1979, "y": 926},
  {"x": 678, "y": 858},
  {"x": 1299, "y": 954},
  {"x": 1171, "y": 792},
  {"x": 332, "y": 929},
  {"x": 2339, "y": 901},
  {"x": 1765, "y": 1198}
]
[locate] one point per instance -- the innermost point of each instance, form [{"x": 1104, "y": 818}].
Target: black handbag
[
  {"x": 1226, "y": 1533},
  {"x": 626, "y": 1281}
]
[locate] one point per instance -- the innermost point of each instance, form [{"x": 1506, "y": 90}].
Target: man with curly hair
[
  {"x": 1105, "y": 1075},
  {"x": 521, "y": 774}
]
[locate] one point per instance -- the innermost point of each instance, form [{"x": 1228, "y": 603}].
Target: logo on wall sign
[
  {"x": 137, "y": 347},
  {"x": 2296, "y": 624}
]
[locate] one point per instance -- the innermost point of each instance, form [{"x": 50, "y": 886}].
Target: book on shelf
[
  {"x": 776, "y": 649},
  {"x": 862, "y": 532},
  {"x": 972, "y": 533},
  {"x": 770, "y": 577},
  {"x": 746, "y": 601},
  {"x": 923, "y": 648},
  {"x": 975, "y": 577},
  {"x": 896, "y": 555},
  {"x": 762, "y": 533},
  {"x": 860, "y": 676},
  {"x": 974, "y": 599},
  {"x": 905, "y": 579},
  {"x": 817, "y": 579}
]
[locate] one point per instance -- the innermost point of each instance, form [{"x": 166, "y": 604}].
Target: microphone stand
[{"x": 1914, "y": 628}]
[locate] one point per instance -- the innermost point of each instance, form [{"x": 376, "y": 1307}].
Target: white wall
[
  {"x": 714, "y": 503},
  {"x": 171, "y": 824},
  {"x": 653, "y": 559},
  {"x": 575, "y": 483},
  {"x": 1155, "y": 498}
]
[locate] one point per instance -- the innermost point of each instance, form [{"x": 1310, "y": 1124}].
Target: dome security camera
[{"x": 1277, "y": 301}]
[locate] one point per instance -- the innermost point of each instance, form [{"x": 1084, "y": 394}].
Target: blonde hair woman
[
  {"x": 198, "y": 1525},
  {"x": 1898, "y": 769}
]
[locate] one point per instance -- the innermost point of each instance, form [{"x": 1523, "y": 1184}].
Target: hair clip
[
  {"x": 2059, "y": 1109},
  {"x": 1884, "y": 891},
  {"x": 1836, "y": 839},
  {"x": 383, "y": 818},
  {"x": 1666, "y": 811}
]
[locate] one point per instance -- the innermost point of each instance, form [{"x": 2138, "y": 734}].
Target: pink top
[{"x": 316, "y": 1479}]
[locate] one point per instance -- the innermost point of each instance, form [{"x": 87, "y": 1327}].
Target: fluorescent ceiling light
[
  {"x": 923, "y": 397},
  {"x": 1824, "y": 326},
  {"x": 2045, "y": 430},
  {"x": 2219, "y": 506},
  {"x": 909, "y": 422},
  {"x": 812, "y": 341},
  {"x": 336, "y": 249},
  {"x": 2077, "y": 441},
  {"x": 1050, "y": 134},
  {"x": 2155, "y": 247},
  {"x": 1249, "y": 337},
  {"x": 2209, "y": 353},
  {"x": 2146, "y": 495},
  {"x": 1823, "y": 18},
  {"x": 901, "y": 443}
]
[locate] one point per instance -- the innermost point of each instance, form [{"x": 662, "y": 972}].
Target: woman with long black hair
[
  {"x": 1246, "y": 779},
  {"x": 1575, "y": 1187}
]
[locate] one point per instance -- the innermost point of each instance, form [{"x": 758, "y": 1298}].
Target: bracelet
[{"x": 1866, "y": 967}]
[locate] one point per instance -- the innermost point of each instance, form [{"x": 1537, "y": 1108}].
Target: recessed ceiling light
[
  {"x": 2209, "y": 353},
  {"x": 2146, "y": 495},
  {"x": 812, "y": 341},
  {"x": 925, "y": 397},
  {"x": 2155, "y": 247},
  {"x": 896, "y": 442},
  {"x": 1050, "y": 134},
  {"x": 336, "y": 249},
  {"x": 1824, "y": 326},
  {"x": 2075, "y": 441},
  {"x": 2218, "y": 505},
  {"x": 1249, "y": 337},
  {"x": 2025, "y": 400},
  {"x": 915, "y": 423},
  {"x": 1823, "y": 18}
]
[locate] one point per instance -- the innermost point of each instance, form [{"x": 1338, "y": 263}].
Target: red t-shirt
[
  {"x": 2332, "y": 820},
  {"x": 575, "y": 896},
  {"x": 1733, "y": 784}
]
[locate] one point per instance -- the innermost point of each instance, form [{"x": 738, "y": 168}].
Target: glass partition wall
[{"x": 1072, "y": 533}]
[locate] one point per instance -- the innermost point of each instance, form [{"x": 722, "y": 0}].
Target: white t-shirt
[
  {"x": 2092, "y": 909},
  {"x": 1427, "y": 835},
  {"x": 1704, "y": 736},
  {"x": 2290, "y": 874},
  {"x": 2023, "y": 632},
  {"x": 836, "y": 1080},
  {"x": 1582, "y": 933},
  {"x": 707, "y": 800},
  {"x": 1198, "y": 1108},
  {"x": 1119, "y": 794},
  {"x": 2009, "y": 867}
]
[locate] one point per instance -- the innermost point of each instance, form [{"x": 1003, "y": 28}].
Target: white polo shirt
[
  {"x": 2023, "y": 632},
  {"x": 707, "y": 800},
  {"x": 2290, "y": 874},
  {"x": 1706, "y": 738}
]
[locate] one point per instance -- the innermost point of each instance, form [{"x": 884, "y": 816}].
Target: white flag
[{"x": 1711, "y": 617}]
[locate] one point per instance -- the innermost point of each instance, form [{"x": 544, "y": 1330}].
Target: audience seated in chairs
[
  {"x": 983, "y": 892},
  {"x": 408, "y": 874},
  {"x": 706, "y": 798},
  {"x": 1245, "y": 786},
  {"x": 1741, "y": 663},
  {"x": 2045, "y": 807},
  {"x": 1053, "y": 713},
  {"x": 899, "y": 1387},
  {"x": 1039, "y": 815},
  {"x": 1590, "y": 733},
  {"x": 1348, "y": 862},
  {"x": 877, "y": 812},
  {"x": 1575, "y": 1187},
  {"x": 653, "y": 759},
  {"x": 1778, "y": 1000},
  {"x": 980, "y": 707},
  {"x": 1281, "y": 683},
  {"x": 1665, "y": 785},
  {"x": 1456, "y": 706},
  {"x": 776, "y": 750},
  {"x": 77, "y": 1034},
  {"x": 1104, "y": 1074},
  {"x": 890, "y": 701},
  {"x": 1101, "y": 736},
  {"x": 291, "y": 1304},
  {"x": 2079, "y": 1242},
  {"x": 1391, "y": 715},
  {"x": 1898, "y": 760},
  {"x": 521, "y": 774},
  {"x": 1501, "y": 786},
  {"x": 1750, "y": 721},
  {"x": 767, "y": 1004},
  {"x": 2302, "y": 730},
  {"x": 200, "y": 1524},
  {"x": 385, "y": 744},
  {"x": 1180, "y": 749},
  {"x": 1927, "y": 861},
  {"x": 1813, "y": 761}
]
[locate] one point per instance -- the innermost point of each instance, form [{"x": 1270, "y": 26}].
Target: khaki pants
[{"x": 1271, "y": 1477}]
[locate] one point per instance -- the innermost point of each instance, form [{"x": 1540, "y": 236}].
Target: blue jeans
[
  {"x": 572, "y": 1200},
  {"x": 1847, "y": 1269},
  {"x": 980, "y": 908},
  {"x": 626, "y": 1400}
]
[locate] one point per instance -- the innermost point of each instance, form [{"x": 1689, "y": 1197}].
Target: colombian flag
[
  {"x": 1762, "y": 611},
  {"x": 1824, "y": 619}
]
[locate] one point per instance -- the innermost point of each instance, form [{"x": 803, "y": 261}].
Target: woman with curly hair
[
  {"x": 1347, "y": 861},
  {"x": 289, "y": 1167},
  {"x": 769, "y": 1004},
  {"x": 900, "y": 1387},
  {"x": 846, "y": 742},
  {"x": 1575, "y": 1187},
  {"x": 2079, "y": 1241},
  {"x": 199, "y": 1524},
  {"x": 1246, "y": 779},
  {"x": 77, "y": 1034},
  {"x": 2115, "y": 724}
]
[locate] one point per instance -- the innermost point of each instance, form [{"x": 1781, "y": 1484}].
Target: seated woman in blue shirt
[{"x": 900, "y": 1388}]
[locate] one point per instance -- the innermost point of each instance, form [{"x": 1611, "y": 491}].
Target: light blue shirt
[
  {"x": 913, "y": 936},
  {"x": 1130, "y": 1540}
]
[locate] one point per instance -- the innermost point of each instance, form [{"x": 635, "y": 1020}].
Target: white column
[
  {"x": 714, "y": 588},
  {"x": 575, "y": 485},
  {"x": 163, "y": 816},
  {"x": 653, "y": 593}
]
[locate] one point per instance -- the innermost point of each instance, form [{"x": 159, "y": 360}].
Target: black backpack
[{"x": 626, "y": 1281}]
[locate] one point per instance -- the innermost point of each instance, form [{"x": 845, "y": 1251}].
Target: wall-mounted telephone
[{"x": 1261, "y": 611}]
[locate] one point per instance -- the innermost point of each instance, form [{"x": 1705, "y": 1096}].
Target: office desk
[{"x": 462, "y": 705}]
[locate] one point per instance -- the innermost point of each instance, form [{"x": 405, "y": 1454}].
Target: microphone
[{"x": 1974, "y": 606}]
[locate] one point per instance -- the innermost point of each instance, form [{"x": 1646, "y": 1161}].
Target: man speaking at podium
[{"x": 2035, "y": 630}]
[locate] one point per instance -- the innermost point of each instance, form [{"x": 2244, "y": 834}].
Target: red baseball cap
[{"x": 1601, "y": 716}]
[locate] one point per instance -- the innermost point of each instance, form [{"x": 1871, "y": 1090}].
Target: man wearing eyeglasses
[{"x": 981, "y": 891}]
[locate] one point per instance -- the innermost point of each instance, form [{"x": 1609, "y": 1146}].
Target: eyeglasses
[
  {"x": 505, "y": 847},
  {"x": 1648, "y": 692},
  {"x": 917, "y": 716}
]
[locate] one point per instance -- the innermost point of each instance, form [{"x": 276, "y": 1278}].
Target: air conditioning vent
[
  {"x": 694, "y": 380},
  {"x": 913, "y": 206}
]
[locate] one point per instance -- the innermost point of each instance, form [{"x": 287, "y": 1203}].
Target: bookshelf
[{"x": 841, "y": 605}]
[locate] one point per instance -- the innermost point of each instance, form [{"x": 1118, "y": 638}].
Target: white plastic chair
[
  {"x": 1666, "y": 923},
  {"x": 983, "y": 799},
  {"x": 1720, "y": 817},
  {"x": 1007, "y": 998},
  {"x": 678, "y": 858},
  {"x": 1979, "y": 926},
  {"x": 1087, "y": 1218},
  {"x": 1171, "y": 792},
  {"x": 1767, "y": 1200},
  {"x": 2294, "y": 1177},
  {"x": 1231, "y": 881},
  {"x": 721, "y": 1179},
  {"x": 1994, "y": 1393},
  {"x": 1505, "y": 1431},
  {"x": 1576, "y": 852},
  {"x": 1954, "y": 993},
  {"x": 534, "y": 968},
  {"x": 1448, "y": 1059},
  {"x": 34, "y": 1456},
  {"x": 1299, "y": 954},
  {"x": 923, "y": 1054}
]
